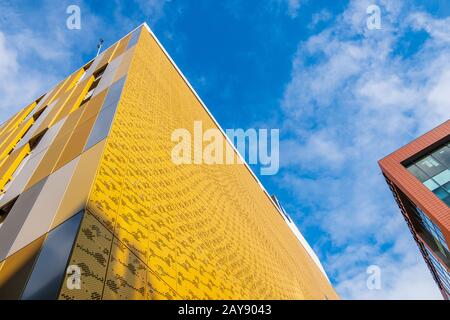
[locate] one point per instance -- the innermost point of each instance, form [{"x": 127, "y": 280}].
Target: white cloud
[
  {"x": 438, "y": 29},
  {"x": 152, "y": 8},
  {"x": 19, "y": 84},
  {"x": 8, "y": 58},
  {"x": 37, "y": 50},
  {"x": 321, "y": 16},
  {"x": 33, "y": 59},
  {"x": 409, "y": 283},
  {"x": 409, "y": 279},
  {"x": 293, "y": 7},
  {"x": 353, "y": 99}
]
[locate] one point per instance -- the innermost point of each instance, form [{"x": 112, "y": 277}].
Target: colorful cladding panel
[
  {"x": 15, "y": 270},
  {"x": 162, "y": 231},
  {"x": 48, "y": 271},
  {"x": 58, "y": 126},
  {"x": 50, "y": 152},
  {"x": 100, "y": 141}
]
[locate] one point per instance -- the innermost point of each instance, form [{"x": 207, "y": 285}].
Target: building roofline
[
  {"x": 301, "y": 239},
  {"x": 445, "y": 123}
]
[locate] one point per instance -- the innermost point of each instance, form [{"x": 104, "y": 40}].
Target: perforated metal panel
[
  {"x": 206, "y": 232},
  {"x": 151, "y": 229}
]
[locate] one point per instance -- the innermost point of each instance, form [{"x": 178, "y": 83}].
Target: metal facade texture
[{"x": 86, "y": 173}]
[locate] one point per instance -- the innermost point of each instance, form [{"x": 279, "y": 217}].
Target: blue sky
[{"x": 342, "y": 96}]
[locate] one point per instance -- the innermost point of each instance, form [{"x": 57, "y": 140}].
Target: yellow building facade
[{"x": 92, "y": 206}]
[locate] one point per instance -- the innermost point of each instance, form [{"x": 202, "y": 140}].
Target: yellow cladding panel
[
  {"x": 93, "y": 106},
  {"x": 124, "y": 64},
  {"x": 73, "y": 79},
  {"x": 75, "y": 99},
  {"x": 50, "y": 118},
  {"x": 48, "y": 163},
  {"x": 77, "y": 192},
  {"x": 126, "y": 278},
  {"x": 199, "y": 231},
  {"x": 68, "y": 101},
  {"x": 61, "y": 88},
  {"x": 17, "y": 134},
  {"x": 90, "y": 253},
  {"x": 106, "y": 56},
  {"x": 10, "y": 165},
  {"x": 5, "y": 125},
  {"x": 15, "y": 270},
  {"x": 8, "y": 129},
  {"x": 55, "y": 93},
  {"x": 76, "y": 142},
  {"x": 121, "y": 46}
]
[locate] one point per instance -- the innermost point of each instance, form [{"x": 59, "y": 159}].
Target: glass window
[
  {"x": 443, "y": 177},
  {"x": 433, "y": 170},
  {"x": 48, "y": 272},
  {"x": 443, "y": 274},
  {"x": 443, "y": 155},
  {"x": 430, "y": 184},
  {"x": 441, "y": 193},
  {"x": 430, "y": 166},
  {"x": 432, "y": 228},
  {"x": 418, "y": 173},
  {"x": 447, "y": 187}
]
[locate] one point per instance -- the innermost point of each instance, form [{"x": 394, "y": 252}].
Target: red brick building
[{"x": 418, "y": 175}]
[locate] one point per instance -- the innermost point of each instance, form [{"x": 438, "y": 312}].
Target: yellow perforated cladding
[{"x": 160, "y": 231}]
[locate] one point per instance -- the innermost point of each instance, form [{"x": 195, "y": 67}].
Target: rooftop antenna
[{"x": 99, "y": 46}]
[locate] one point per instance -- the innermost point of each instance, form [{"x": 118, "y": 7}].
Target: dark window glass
[
  {"x": 447, "y": 200},
  {"x": 447, "y": 187},
  {"x": 418, "y": 173},
  {"x": 430, "y": 166},
  {"x": 443, "y": 155},
  {"x": 6, "y": 209},
  {"x": 433, "y": 170},
  {"x": 48, "y": 272},
  {"x": 444, "y": 275},
  {"x": 441, "y": 193}
]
